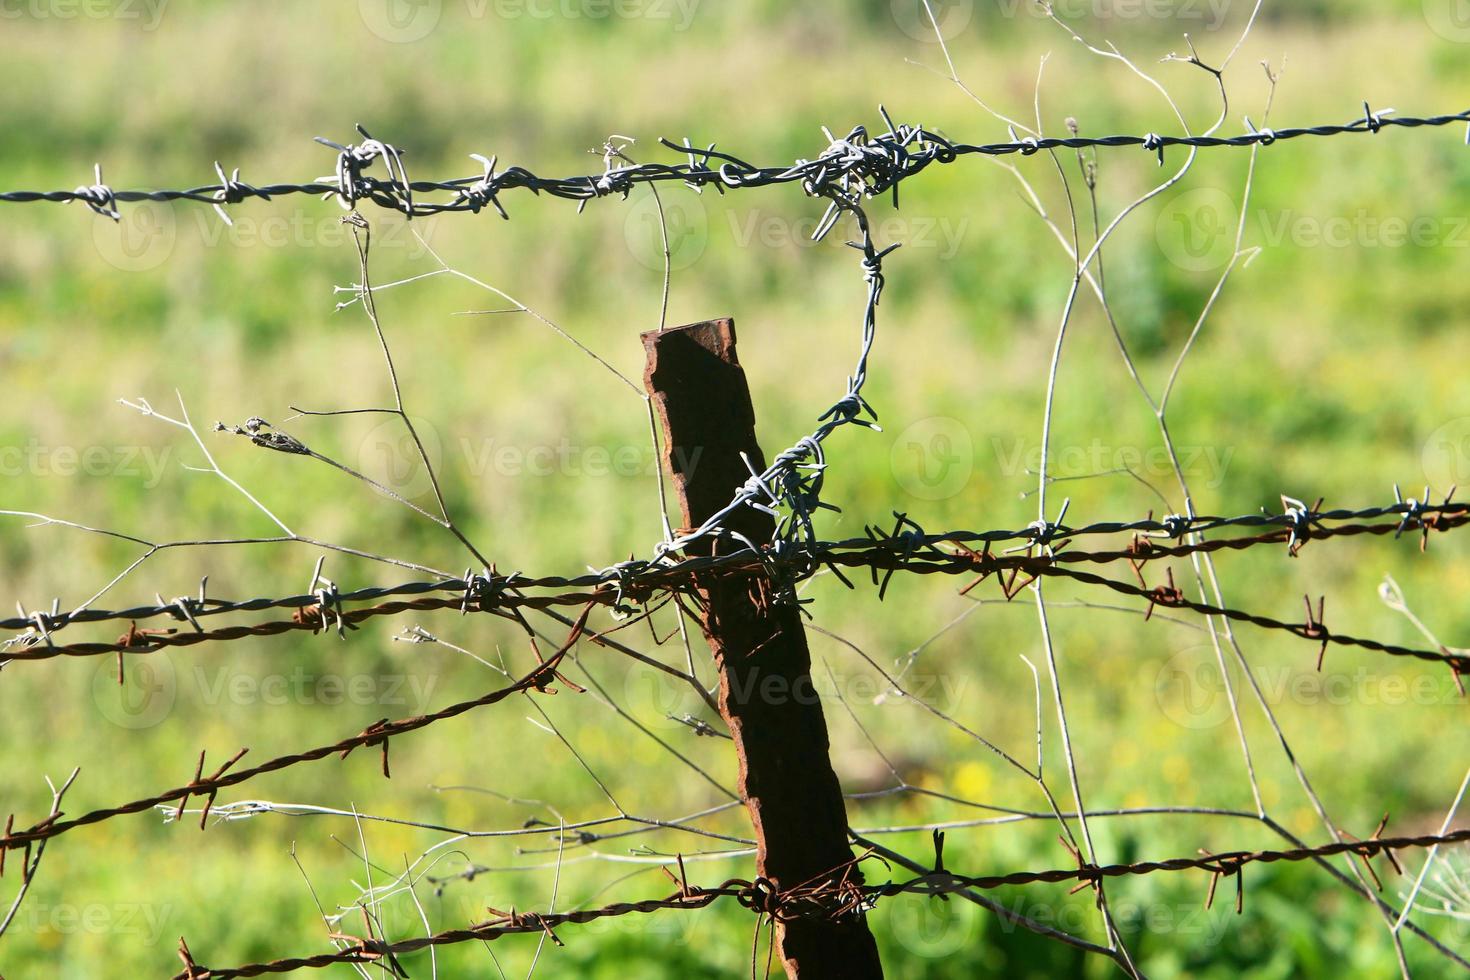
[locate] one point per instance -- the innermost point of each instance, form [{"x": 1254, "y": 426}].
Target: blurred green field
[{"x": 1333, "y": 365}]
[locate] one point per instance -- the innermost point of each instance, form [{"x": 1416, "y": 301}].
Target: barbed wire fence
[{"x": 676, "y": 575}]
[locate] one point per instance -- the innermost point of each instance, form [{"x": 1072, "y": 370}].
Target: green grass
[{"x": 1322, "y": 371}]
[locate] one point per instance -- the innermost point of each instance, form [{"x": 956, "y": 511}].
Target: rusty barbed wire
[
  {"x": 376, "y": 735},
  {"x": 834, "y": 896},
  {"x": 907, "y": 548},
  {"x": 876, "y": 549},
  {"x": 848, "y": 172}
]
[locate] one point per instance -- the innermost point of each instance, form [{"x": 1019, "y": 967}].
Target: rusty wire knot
[
  {"x": 1088, "y": 875},
  {"x": 987, "y": 564},
  {"x": 192, "y": 969},
  {"x": 687, "y": 892},
  {"x": 762, "y": 897},
  {"x": 374, "y": 735},
  {"x": 1169, "y": 595},
  {"x": 1231, "y": 864},
  {"x": 1315, "y": 627},
  {"x": 525, "y": 922},
  {"x": 7, "y": 837},
  {"x": 1373, "y": 847},
  {"x": 200, "y": 786},
  {"x": 138, "y": 639}
]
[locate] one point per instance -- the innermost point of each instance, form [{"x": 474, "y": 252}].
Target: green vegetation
[{"x": 1332, "y": 369}]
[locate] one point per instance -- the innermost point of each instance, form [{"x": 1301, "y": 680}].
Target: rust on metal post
[{"x": 766, "y": 693}]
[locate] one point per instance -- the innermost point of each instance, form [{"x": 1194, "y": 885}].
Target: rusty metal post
[{"x": 766, "y": 693}]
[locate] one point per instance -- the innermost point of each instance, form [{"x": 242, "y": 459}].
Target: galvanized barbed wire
[
  {"x": 833, "y": 897},
  {"x": 848, "y": 171},
  {"x": 472, "y": 194}
]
